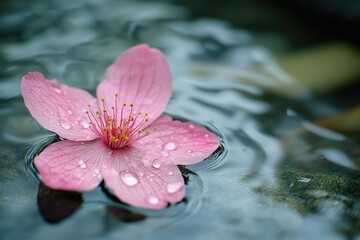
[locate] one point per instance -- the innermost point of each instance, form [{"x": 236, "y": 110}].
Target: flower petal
[
  {"x": 71, "y": 165},
  {"x": 141, "y": 177},
  {"x": 58, "y": 107},
  {"x": 183, "y": 143},
  {"x": 141, "y": 76}
]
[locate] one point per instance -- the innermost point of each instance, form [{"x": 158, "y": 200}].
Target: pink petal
[
  {"x": 72, "y": 165},
  {"x": 58, "y": 107},
  {"x": 183, "y": 143},
  {"x": 141, "y": 76},
  {"x": 141, "y": 177}
]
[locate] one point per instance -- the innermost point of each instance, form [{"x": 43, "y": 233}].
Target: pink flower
[{"x": 119, "y": 137}]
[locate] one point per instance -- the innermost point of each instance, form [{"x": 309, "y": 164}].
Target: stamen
[{"x": 118, "y": 126}]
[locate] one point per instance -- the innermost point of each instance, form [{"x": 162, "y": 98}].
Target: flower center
[{"x": 116, "y": 128}]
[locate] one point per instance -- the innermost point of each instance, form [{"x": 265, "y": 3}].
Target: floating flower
[{"x": 119, "y": 137}]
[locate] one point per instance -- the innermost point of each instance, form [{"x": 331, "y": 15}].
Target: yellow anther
[
  {"x": 112, "y": 108},
  {"x": 125, "y": 137},
  {"x": 89, "y": 105},
  {"x": 124, "y": 104},
  {"x": 139, "y": 113},
  {"x": 147, "y": 132},
  {"x": 139, "y": 132},
  {"x": 97, "y": 112},
  {"x": 116, "y": 94},
  {"x": 131, "y": 105},
  {"x": 103, "y": 100},
  {"x": 87, "y": 112},
  {"x": 146, "y": 119},
  {"x": 146, "y": 114},
  {"x": 116, "y": 140},
  {"x": 154, "y": 128},
  {"x": 104, "y": 111},
  {"x": 91, "y": 123}
]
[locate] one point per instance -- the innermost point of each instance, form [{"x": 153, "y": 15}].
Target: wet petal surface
[
  {"x": 58, "y": 107},
  {"x": 181, "y": 143},
  {"x": 142, "y": 178},
  {"x": 71, "y": 165}
]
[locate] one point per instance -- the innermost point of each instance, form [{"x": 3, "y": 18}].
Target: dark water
[{"x": 277, "y": 175}]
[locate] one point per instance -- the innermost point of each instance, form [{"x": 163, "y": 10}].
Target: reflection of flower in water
[
  {"x": 120, "y": 137},
  {"x": 57, "y": 205}
]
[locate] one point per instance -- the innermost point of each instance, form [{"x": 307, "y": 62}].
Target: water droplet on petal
[
  {"x": 174, "y": 187},
  {"x": 129, "y": 178},
  {"x": 191, "y": 126},
  {"x": 156, "y": 163},
  {"x": 84, "y": 123},
  {"x": 170, "y": 146},
  {"x": 153, "y": 199},
  {"x": 171, "y": 173},
  {"x": 165, "y": 154},
  {"x": 141, "y": 174},
  {"x": 82, "y": 164},
  {"x": 65, "y": 125},
  {"x": 189, "y": 151},
  {"x": 69, "y": 111},
  {"x": 56, "y": 86},
  {"x": 206, "y": 135}
]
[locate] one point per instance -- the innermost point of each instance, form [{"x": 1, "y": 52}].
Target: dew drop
[
  {"x": 65, "y": 125},
  {"x": 129, "y": 179},
  {"x": 82, "y": 164},
  {"x": 174, "y": 187},
  {"x": 170, "y": 146},
  {"x": 140, "y": 173},
  {"x": 189, "y": 151},
  {"x": 165, "y": 154},
  {"x": 96, "y": 173},
  {"x": 304, "y": 179},
  {"x": 191, "y": 126},
  {"x": 171, "y": 173},
  {"x": 153, "y": 199},
  {"x": 56, "y": 86},
  {"x": 206, "y": 135},
  {"x": 85, "y": 124},
  {"x": 156, "y": 163},
  {"x": 69, "y": 111}
]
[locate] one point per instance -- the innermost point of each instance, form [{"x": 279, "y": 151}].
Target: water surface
[{"x": 276, "y": 175}]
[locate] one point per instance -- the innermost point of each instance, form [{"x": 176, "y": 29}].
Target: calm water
[{"x": 276, "y": 175}]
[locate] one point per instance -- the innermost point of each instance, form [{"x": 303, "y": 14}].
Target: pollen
[{"x": 119, "y": 125}]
